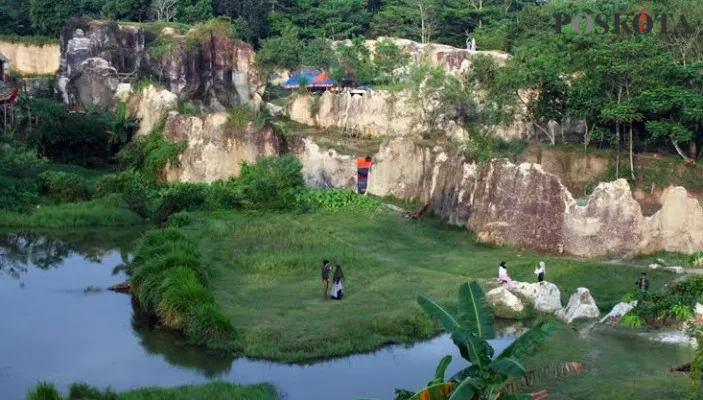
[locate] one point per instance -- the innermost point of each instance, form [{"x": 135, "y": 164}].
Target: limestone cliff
[
  {"x": 216, "y": 148},
  {"x": 522, "y": 205},
  {"x": 30, "y": 59},
  {"x": 323, "y": 168},
  {"x": 205, "y": 66},
  {"x": 375, "y": 113},
  {"x": 148, "y": 105}
]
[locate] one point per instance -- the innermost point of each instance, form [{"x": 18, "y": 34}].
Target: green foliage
[
  {"x": 63, "y": 187},
  {"x": 695, "y": 376},
  {"x": 674, "y": 305},
  {"x": 150, "y": 154},
  {"x": 282, "y": 51},
  {"x": 103, "y": 212},
  {"x": 696, "y": 259},
  {"x": 335, "y": 200},
  {"x": 44, "y": 391},
  {"x": 29, "y": 40},
  {"x": 192, "y": 11},
  {"x": 178, "y": 197},
  {"x": 389, "y": 57},
  {"x": 355, "y": 62},
  {"x": 272, "y": 183},
  {"x": 470, "y": 329},
  {"x": 47, "y": 16},
  {"x": 171, "y": 282},
  {"x": 318, "y": 53},
  {"x": 681, "y": 312},
  {"x": 240, "y": 116},
  {"x": 631, "y": 321}
]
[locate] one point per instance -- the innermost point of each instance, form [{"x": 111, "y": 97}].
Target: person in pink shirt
[{"x": 503, "y": 276}]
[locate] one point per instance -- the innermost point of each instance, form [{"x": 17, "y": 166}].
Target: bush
[
  {"x": 631, "y": 321},
  {"x": 272, "y": 183},
  {"x": 134, "y": 188},
  {"x": 17, "y": 195},
  {"x": 696, "y": 259},
  {"x": 63, "y": 187},
  {"x": 105, "y": 212},
  {"x": 225, "y": 195},
  {"x": 181, "y": 197},
  {"x": 335, "y": 200},
  {"x": 44, "y": 391}
]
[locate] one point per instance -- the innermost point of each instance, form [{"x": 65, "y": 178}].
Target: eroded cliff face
[
  {"x": 31, "y": 59},
  {"x": 375, "y": 113},
  {"x": 323, "y": 168},
  {"x": 206, "y": 67},
  {"x": 216, "y": 148},
  {"x": 522, "y": 205},
  {"x": 148, "y": 104}
]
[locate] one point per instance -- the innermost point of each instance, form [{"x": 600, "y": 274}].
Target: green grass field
[{"x": 267, "y": 277}]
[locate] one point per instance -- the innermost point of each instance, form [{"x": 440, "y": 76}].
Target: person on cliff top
[
  {"x": 643, "y": 282},
  {"x": 337, "y": 288},
  {"x": 540, "y": 270},
  {"x": 325, "y": 278},
  {"x": 503, "y": 273}
]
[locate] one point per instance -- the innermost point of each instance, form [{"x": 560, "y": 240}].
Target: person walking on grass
[
  {"x": 643, "y": 282},
  {"x": 325, "y": 278},
  {"x": 337, "y": 288},
  {"x": 540, "y": 270},
  {"x": 503, "y": 273}
]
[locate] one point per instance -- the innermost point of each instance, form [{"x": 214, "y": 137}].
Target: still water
[{"x": 55, "y": 326}]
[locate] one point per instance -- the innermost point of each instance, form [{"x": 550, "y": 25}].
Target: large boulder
[
  {"x": 324, "y": 168},
  {"x": 618, "y": 312},
  {"x": 581, "y": 306},
  {"x": 216, "y": 147},
  {"x": 96, "y": 84},
  {"x": 543, "y": 296},
  {"x": 505, "y": 304}
]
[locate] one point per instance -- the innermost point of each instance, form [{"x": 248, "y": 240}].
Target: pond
[{"x": 59, "y": 325}]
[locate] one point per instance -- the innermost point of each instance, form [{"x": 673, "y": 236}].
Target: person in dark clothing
[
  {"x": 337, "y": 288},
  {"x": 325, "y": 278},
  {"x": 643, "y": 282},
  {"x": 363, "y": 166}
]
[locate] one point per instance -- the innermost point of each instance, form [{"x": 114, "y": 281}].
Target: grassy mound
[{"x": 171, "y": 281}]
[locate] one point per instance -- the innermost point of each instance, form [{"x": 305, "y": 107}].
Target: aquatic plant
[{"x": 631, "y": 321}]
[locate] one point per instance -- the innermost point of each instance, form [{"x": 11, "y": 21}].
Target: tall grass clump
[
  {"x": 103, "y": 212},
  {"x": 44, "y": 391},
  {"x": 171, "y": 281},
  {"x": 63, "y": 187},
  {"x": 272, "y": 183},
  {"x": 336, "y": 200}
]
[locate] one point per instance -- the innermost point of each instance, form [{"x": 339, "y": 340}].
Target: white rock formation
[
  {"x": 216, "y": 149},
  {"x": 618, "y": 312},
  {"x": 581, "y": 306},
  {"x": 504, "y": 304},
  {"x": 543, "y": 296},
  {"x": 148, "y": 105},
  {"x": 325, "y": 168}
]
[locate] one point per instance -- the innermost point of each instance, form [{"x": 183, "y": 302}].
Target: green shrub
[
  {"x": 105, "y": 212},
  {"x": 81, "y": 390},
  {"x": 696, "y": 259},
  {"x": 681, "y": 312},
  {"x": 134, "y": 188},
  {"x": 272, "y": 183},
  {"x": 631, "y": 321},
  {"x": 63, "y": 187},
  {"x": 180, "y": 219},
  {"x": 225, "y": 195},
  {"x": 181, "y": 197},
  {"x": 241, "y": 115},
  {"x": 335, "y": 200},
  {"x": 44, "y": 391},
  {"x": 17, "y": 195}
]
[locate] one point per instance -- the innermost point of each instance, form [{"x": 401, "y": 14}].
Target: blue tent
[{"x": 313, "y": 78}]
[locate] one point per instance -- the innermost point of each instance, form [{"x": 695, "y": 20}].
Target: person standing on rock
[
  {"x": 503, "y": 273},
  {"x": 643, "y": 282},
  {"x": 540, "y": 270}
]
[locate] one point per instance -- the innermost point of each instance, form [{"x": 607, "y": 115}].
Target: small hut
[
  {"x": 309, "y": 77},
  {"x": 8, "y": 93}
]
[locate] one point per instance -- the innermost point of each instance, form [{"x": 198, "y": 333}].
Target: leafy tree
[
  {"x": 319, "y": 53},
  {"x": 192, "y": 11},
  {"x": 355, "y": 62},
  {"x": 389, "y": 57},
  {"x": 48, "y": 16},
  {"x": 282, "y": 51},
  {"x": 395, "y": 20}
]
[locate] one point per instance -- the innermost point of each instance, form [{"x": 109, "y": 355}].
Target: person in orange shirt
[{"x": 363, "y": 165}]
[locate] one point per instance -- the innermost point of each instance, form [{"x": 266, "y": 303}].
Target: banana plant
[
  {"x": 470, "y": 329},
  {"x": 121, "y": 127}
]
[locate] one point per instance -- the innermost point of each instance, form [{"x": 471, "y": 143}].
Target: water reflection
[{"x": 36, "y": 248}]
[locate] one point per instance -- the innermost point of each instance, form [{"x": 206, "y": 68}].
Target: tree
[
  {"x": 192, "y": 11},
  {"x": 427, "y": 11},
  {"x": 48, "y": 16},
  {"x": 388, "y": 57},
  {"x": 282, "y": 51},
  {"x": 163, "y": 10}
]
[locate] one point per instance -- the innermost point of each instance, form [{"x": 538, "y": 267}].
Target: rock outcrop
[
  {"x": 206, "y": 66},
  {"x": 30, "y": 59},
  {"x": 543, "y": 296},
  {"x": 522, "y": 205},
  {"x": 96, "y": 84},
  {"x": 323, "y": 168},
  {"x": 216, "y": 148},
  {"x": 581, "y": 306},
  {"x": 374, "y": 113},
  {"x": 148, "y": 104},
  {"x": 618, "y": 312},
  {"x": 505, "y": 304}
]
